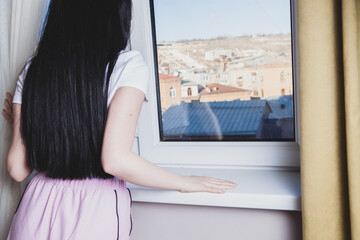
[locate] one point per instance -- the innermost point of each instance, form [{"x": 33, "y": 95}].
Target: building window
[
  {"x": 282, "y": 91},
  {"x": 282, "y": 77},
  {"x": 189, "y": 92},
  {"x": 205, "y": 78},
  {"x": 254, "y": 76},
  {"x": 172, "y": 92}
]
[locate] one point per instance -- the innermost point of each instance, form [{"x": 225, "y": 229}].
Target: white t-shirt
[{"x": 130, "y": 70}]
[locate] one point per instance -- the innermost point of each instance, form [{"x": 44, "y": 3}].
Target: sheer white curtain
[{"x": 20, "y": 24}]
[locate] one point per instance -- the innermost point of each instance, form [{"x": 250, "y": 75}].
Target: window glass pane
[{"x": 224, "y": 69}]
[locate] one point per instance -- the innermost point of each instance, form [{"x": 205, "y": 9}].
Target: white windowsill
[{"x": 257, "y": 189}]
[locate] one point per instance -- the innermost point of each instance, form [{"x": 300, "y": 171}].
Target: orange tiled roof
[
  {"x": 166, "y": 76},
  {"x": 221, "y": 89}
]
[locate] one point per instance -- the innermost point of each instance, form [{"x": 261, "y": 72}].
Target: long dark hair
[{"x": 64, "y": 101}]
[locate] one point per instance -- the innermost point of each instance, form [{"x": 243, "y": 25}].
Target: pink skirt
[{"x": 72, "y": 209}]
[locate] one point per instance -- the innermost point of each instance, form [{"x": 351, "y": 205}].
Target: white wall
[{"x": 153, "y": 221}]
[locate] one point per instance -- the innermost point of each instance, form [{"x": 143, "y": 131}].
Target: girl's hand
[
  {"x": 206, "y": 184},
  {"x": 8, "y": 111}
]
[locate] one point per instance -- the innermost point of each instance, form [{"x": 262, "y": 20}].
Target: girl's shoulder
[
  {"x": 130, "y": 70},
  {"x": 129, "y": 59}
]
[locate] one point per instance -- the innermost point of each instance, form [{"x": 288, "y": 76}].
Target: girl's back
[{"x": 68, "y": 81}]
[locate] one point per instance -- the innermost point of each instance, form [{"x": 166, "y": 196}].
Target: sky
[{"x": 203, "y": 19}]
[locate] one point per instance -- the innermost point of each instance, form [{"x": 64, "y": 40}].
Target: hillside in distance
[{"x": 212, "y": 53}]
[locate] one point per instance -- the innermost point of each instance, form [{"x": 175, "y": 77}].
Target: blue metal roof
[
  {"x": 281, "y": 107},
  {"x": 215, "y": 118}
]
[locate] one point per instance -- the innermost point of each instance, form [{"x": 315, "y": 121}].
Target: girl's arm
[
  {"x": 118, "y": 159},
  {"x": 16, "y": 158}
]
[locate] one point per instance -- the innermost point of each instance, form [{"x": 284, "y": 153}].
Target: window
[
  {"x": 282, "y": 77},
  {"x": 239, "y": 51},
  {"x": 205, "y": 78},
  {"x": 181, "y": 135},
  {"x": 189, "y": 92},
  {"x": 282, "y": 92},
  {"x": 172, "y": 92},
  {"x": 254, "y": 77}
]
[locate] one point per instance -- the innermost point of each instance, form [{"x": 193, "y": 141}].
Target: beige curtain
[
  {"x": 329, "y": 51},
  {"x": 20, "y": 22}
]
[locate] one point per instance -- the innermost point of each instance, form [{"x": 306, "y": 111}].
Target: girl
[{"x": 74, "y": 114}]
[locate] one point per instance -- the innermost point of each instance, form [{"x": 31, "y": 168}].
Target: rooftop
[
  {"x": 188, "y": 83},
  {"x": 215, "y": 118},
  {"x": 219, "y": 88},
  {"x": 166, "y": 76}
]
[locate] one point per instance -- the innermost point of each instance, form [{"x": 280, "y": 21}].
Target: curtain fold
[
  {"x": 328, "y": 37},
  {"x": 20, "y": 23},
  {"x": 351, "y": 46}
]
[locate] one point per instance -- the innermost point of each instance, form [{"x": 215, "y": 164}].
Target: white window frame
[{"x": 205, "y": 154}]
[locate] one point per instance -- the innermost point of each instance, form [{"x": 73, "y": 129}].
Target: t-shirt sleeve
[
  {"x": 17, "y": 98},
  {"x": 130, "y": 70}
]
